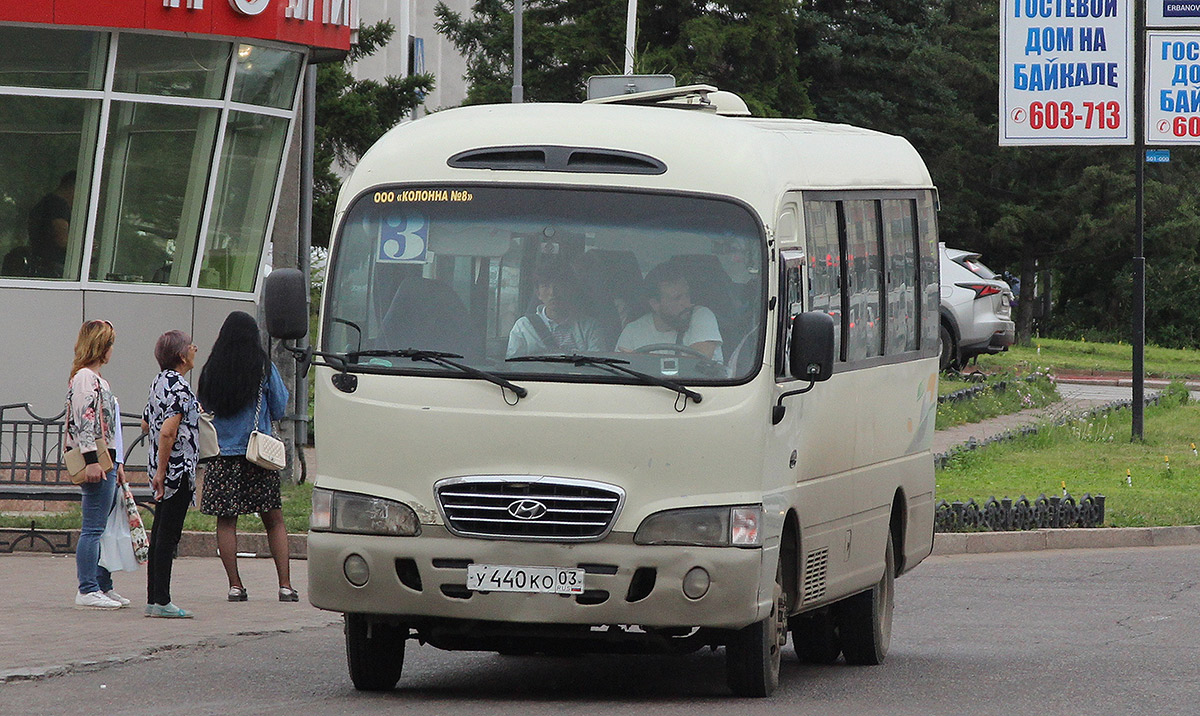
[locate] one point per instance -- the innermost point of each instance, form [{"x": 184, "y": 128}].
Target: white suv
[{"x": 976, "y": 310}]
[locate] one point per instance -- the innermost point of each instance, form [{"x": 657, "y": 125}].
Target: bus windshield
[{"x": 515, "y": 279}]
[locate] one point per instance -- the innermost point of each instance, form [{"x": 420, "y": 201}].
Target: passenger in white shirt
[
  {"x": 673, "y": 318},
  {"x": 556, "y": 326}
]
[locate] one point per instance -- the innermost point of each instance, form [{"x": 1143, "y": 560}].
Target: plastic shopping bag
[
  {"x": 137, "y": 531},
  {"x": 116, "y": 544}
]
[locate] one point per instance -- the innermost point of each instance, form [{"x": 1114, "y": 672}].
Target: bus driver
[{"x": 673, "y": 318}]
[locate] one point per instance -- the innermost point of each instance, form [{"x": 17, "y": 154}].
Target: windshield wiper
[
  {"x": 439, "y": 358},
  {"x": 616, "y": 364}
]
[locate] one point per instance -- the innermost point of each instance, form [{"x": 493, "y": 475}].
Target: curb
[
  {"x": 249, "y": 544},
  {"x": 1120, "y": 381},
  {"x": 955, "y": 543},
  {"x": 191, "y": 544}
]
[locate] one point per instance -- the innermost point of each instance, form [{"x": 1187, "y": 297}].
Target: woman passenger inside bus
[{"x": 558, "y": 324}]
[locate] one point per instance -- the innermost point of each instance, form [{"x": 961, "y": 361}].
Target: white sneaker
[
  {"x": 111, "y": 594},
  {"x": 95, "y": 600}
]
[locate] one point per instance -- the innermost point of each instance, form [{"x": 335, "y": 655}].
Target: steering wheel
[{"x": 677, "y": 348}]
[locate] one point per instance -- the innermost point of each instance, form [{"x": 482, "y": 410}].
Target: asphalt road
[{"x": 1062, "y": 632}]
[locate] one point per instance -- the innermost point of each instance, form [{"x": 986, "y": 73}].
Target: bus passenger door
[{"x": 817, "y": 428}]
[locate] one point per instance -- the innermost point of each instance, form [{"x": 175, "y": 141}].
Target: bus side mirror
[
  {"x": 811, "y": 350},
  {"x": 285, "y": 302}
]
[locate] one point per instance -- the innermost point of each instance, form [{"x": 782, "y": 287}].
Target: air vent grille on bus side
[
  {"x": 590, "y": 160},
  {"x": 816, "y": 566}
]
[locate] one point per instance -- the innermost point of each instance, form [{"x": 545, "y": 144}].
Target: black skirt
[{"x": 235, "y": 486}]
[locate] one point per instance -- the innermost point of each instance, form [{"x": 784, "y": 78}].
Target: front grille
[{"x": 534, "y": 508}]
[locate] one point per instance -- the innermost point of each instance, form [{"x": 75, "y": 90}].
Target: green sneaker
[{"x": 167, "y": 611}]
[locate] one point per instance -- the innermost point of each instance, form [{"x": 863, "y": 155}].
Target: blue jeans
[{"x": 98, "y": 499}]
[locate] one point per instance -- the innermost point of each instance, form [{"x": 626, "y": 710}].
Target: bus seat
[
  {"x": 385, "y": 282},
  {"x": 426, "y": 314},
  {"x": 712, "y": 288},
  {"x": 613, "y": 284}
]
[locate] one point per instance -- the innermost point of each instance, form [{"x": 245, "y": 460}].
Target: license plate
[{"x": 536, "y": 580}]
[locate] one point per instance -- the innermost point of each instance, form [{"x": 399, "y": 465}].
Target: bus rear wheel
[
  {"x": 754, "y": 654},
  {"x": 865, "y": 620},
  {"x": 374, "y": 653},
  {"x": 815, "y": 637}
]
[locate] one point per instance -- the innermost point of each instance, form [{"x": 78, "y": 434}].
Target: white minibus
[{"x": 642, "y": 374}]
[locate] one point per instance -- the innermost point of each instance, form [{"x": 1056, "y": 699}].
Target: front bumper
[{"x": 613, "y": 595}]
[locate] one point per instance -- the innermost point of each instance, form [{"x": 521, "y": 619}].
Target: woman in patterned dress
[
  {"x": 172, "y": 418},
  {"x": 239, "y": 385},
  {"x": 92, "y": 416}
]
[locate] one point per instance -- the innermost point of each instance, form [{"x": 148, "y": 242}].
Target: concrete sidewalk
[{"x": 43, "y": 634}]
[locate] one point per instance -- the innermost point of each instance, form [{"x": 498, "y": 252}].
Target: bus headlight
[
  {"x": 360, "y": 514},
  {"x": 704, "y": 527}
]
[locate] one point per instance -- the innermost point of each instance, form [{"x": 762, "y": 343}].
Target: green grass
[
  {"x": 296, "y": 507},
  {"x": 1017, "y": 396},
  {"x": 1093, "y": 457},
  {"x": 1061, "y": 356}
]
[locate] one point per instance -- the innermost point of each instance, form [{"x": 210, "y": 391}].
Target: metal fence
[
  {"x": 1020, "y": 514},
  {"x": 31, "y": 450}
]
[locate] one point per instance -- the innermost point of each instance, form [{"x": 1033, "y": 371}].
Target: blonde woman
[{"x": 91, "y": 417}]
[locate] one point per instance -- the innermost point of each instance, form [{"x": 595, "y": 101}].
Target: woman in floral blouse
[
  {"x": 172, "y": 418},
  {"x": 91, "y": 417}
]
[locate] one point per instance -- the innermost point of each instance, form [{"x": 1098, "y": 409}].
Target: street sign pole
[
  {"x": 518, "y": 89},
  {"x": 1139, "y": 258}
]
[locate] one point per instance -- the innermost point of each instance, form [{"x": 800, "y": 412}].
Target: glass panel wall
[
  {"x": 242, "y": 206},
  {"x": 155, "y": 176},
  {"x": 166, "y": 98},
  {"x": 266, "y": 76},
  {"x": 171, "y": 66},
  {"x": 57, "y": 59},
  {"x": 47, "y": 145}
]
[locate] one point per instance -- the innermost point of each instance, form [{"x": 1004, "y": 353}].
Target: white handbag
[
  {"x": 264, "y": 449},
  {"x": 209, "y": 444}
]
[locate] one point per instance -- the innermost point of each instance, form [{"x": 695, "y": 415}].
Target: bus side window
[
  {"x": 791, "y": 293},
  {"x": 824, "y": 256}
]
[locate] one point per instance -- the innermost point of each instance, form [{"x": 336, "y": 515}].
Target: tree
[
  {"x": 924, "y": 69},
  {"x": 741, "y": 45},
  {"x": 351, "y": 115}
]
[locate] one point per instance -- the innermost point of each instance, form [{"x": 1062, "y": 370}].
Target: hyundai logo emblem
[{"x": 526, "y": 509}]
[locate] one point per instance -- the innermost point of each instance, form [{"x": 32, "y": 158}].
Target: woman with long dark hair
[{"x": 237, "y": 385}]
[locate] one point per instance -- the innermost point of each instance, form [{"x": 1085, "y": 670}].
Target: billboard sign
[
  {"x": 1066, "y": 72},
  {"x": 1172, "y": 87},
  {"x": 1172, "y": 13}
]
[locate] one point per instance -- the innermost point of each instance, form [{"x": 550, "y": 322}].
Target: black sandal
[
  {"x": 287, "y": 594},
  {"x": 238, "y": 594}
]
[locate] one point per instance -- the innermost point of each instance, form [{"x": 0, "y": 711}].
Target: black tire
[
  {"x": 374, "y": 653},
  {"x": 754, "y": 654},
  {"x": 949, "y": 356},
  {"x": 864, "y": 620},
  {"x": 815, "y": 637}
]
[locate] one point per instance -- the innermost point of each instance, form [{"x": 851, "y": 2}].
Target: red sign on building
[{"x": 324, "y": 24}]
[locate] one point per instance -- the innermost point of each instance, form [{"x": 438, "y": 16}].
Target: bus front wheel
[
  {"x": 753, "y": 655},
  {"x": 374, "y": 653},
  {"x": 865, "y": 620}
]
